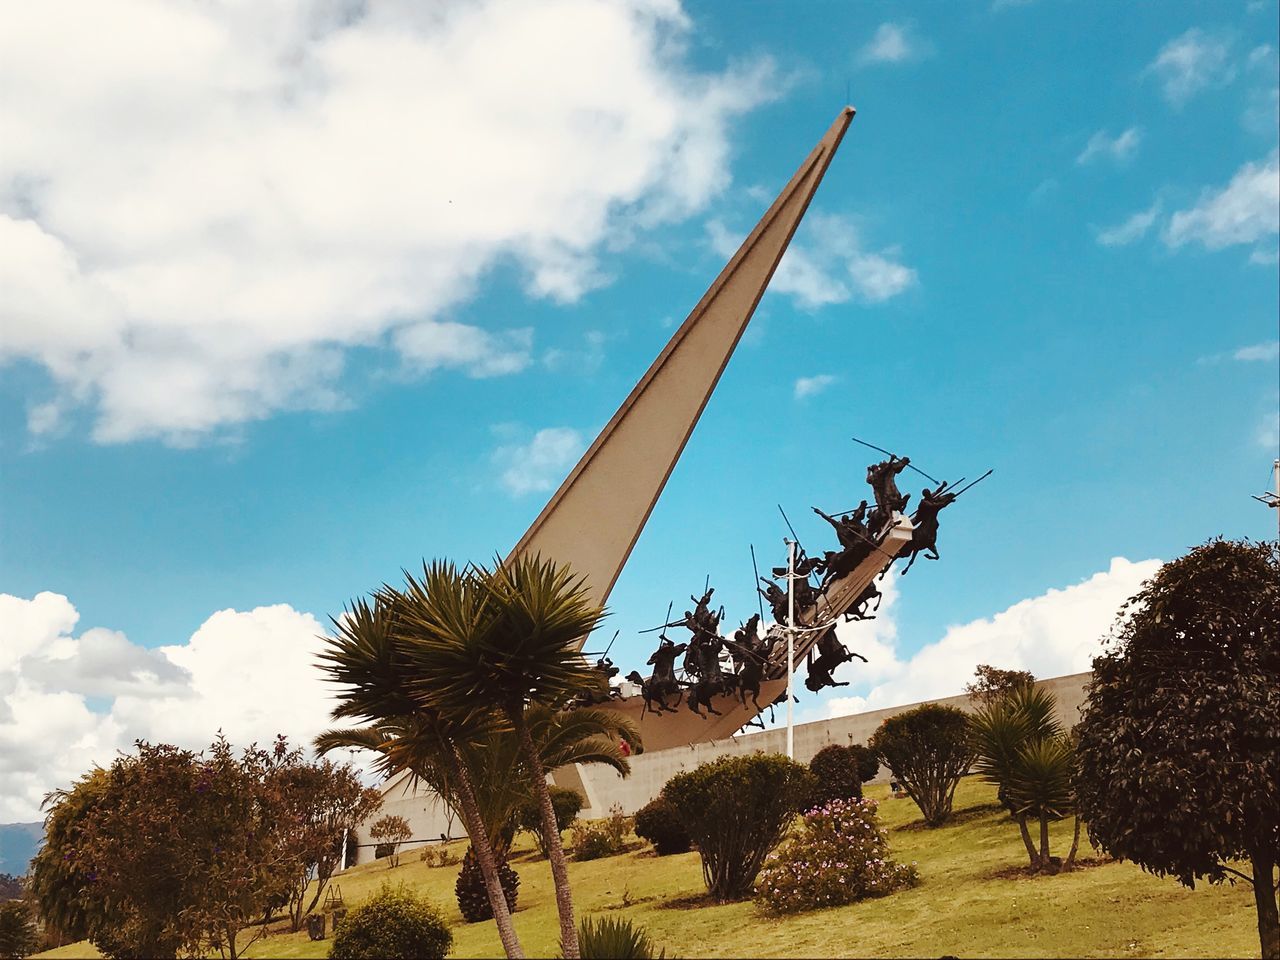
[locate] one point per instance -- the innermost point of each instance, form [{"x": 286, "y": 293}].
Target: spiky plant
[
  {"x": 473, "y": 900},
  {"x": 609, "y": 938}
]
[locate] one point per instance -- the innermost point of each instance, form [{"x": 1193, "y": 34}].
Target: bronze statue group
[{"x": 715, "y": 665}]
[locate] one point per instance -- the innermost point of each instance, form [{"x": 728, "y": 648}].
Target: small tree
[
  {"x": 928, "y": 750},
  {"x": 390, "y": 831},
  {"x": 1021, "y": 748},
  {"x": 736, "y": 810},
  {"x": 992, "y": 684},
  {"x": 17, "y": 930},
  {"x": 868, "y": 762},
  {"x": 567, "y": 805},
  {"x": 1179, "y": 742}
]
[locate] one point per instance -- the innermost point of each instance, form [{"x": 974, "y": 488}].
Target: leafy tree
[
  {"x": 391, "y": 831},
  {"x": 392, "y": 924},
  {"x": 992, "y": 683},
  {"x": 1179, "y": 743},
  {"x": 17, "y": 930},
  {"x": 928, "y": 750},
  {"x": 313, "y": 805},
  {"x": 868, "y": 762},
  {"x": 504, "y": 638},
  {"x": 736, "y": 810},
  {"x": 567, "y": 805},
  {"x": 165, "y": 851},
  {"x": 1022, "y": 749}
]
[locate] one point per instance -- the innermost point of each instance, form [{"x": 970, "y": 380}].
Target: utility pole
[{"x": 791, "y": 647}]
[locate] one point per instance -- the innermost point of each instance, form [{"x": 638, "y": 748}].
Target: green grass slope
[{"x": 966, "y": 904}]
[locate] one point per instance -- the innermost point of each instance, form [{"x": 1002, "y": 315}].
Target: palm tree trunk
[
  {"x": 1026, "y": 839},
  {"x": 470, "y": 812},
  {"x": 1075, "y": 843},
  {"x": 1044, "y": 842},
  {"x": 551, "y": 830}
]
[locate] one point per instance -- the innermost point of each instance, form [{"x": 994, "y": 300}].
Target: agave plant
[
  {"x": 607, "y": 938},
  {"x": 1022, "y": 749}
]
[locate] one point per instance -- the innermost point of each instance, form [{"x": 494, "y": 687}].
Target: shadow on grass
[
  {"x": 1024, "y": 872},
  {"x": 694, "y": 901},
  {"x": 957, "y": 817}
]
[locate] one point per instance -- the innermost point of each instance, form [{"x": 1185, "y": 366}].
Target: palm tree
[
  {"x": 504, "y": 638},
  {"x": 1022, "y": 749},
  {"x": 367, "y": 658}
]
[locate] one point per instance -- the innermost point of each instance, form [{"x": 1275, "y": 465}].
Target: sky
[{"x": 295, "y": 296}]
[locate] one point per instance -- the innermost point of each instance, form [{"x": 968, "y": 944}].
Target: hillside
[
  {"x": 966, "y": 905},
  {"x": 18, "y": 844}
]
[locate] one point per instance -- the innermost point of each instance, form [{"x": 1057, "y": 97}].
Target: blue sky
[{"x": 267, "y": 349}]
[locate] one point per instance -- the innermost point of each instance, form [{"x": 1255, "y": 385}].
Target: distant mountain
[{"x": 18, "y": 844}]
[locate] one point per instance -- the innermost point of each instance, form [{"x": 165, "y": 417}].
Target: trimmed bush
[
  {"x": 393, "y": 924},
  {"x": 840, "y": 855},
  {"x": 837, "y": 775},
  {"x": 607, "y": 938},
  {"x": 658, "y": 823},
  {"x": 927, "y": 750},
  {"x": 567, "y": 805},
  {"x": 868, "y": 762},
  {"x": 473, "y": 899},
  {"x": 736, "y": 810}
]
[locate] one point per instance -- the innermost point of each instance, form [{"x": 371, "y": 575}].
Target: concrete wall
[
  {"x": 428, "y": 817},
  {"x": 650, "y": 771}
]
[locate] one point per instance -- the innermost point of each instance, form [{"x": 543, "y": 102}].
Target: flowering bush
[{"x": 839, "y": 856}]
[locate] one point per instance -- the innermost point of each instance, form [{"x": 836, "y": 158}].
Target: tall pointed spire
[{"x": 596, "y": 516}]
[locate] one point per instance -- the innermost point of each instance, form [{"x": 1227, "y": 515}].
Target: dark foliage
[
  {"x": 566, "y": 803},
  {"x": 868, "y": 762},
  {"x": 658, "y": 822},
  {"x": 736, "y": 810},
  {"x": 393, "y": 924},
  {"x": 17, "y": 930},
  {"x": 992, "y": 683},
  {"x": 473, "y": 900},
  {"x": 836, "y": 775},
  {"x": 1179, "y": 744},
  {"x": 10, "y": 887},
  {"x": 927, "y": 750}
]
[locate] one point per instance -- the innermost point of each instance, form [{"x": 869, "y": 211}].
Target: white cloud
[
  {"x": 1268, "y": 352},
  {"x": 1134, "y": 228},
  {"x": 198, "y": 228},
  {"x": 1053, "y": 634},
  {"x": 586, "y": 357},
  {"x": 827, "y": 264},
  {"x": 1267, "y": 435},
  {"x": 811, "y": 386},
  {"x": 1246, "y": 210},
  {"x": 1119, "y": 148},
  {"x": 1190, "y": 63},
  {"x": 68, "y": 703},
  {"x": 542, "y": 463},
  {"x": 893, "y": 43}
]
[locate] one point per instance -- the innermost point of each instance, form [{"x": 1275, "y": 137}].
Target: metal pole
[
  {"x": 791, "y": 647},
  {"x": 344, "y": 850},
  {"x": 1276, "y": 502}
]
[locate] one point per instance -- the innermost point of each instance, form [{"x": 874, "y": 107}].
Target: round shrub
[
  {"x": 658, "y": 822},
  {"x": 566, "y": 803},
  {"x": 836, "y": 774},
  {"x": 736, "y": 810},
  {"x": 394, "y": 924},
  {"x": 840, "y": 855},
  {"x": 868, "y": 762},
  {"x": 927, "y": 749},
  {"x": 473, "y": 899}
]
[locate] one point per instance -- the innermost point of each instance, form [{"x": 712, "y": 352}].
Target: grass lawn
[{"x": 963, "y": 906}]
